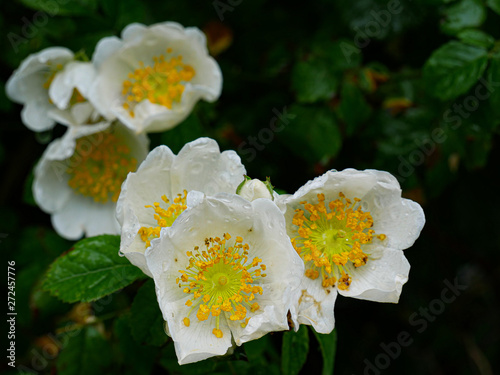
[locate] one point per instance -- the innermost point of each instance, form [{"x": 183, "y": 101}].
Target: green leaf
[
  {"x": 340, "y": 55},
  {"x": 462, "y": 15},
  {"x": 135, "y": 358},
  {"x": 91, "y": 270},
  {"x": 294, "y": 351},
  {"x": 494, "y": 4},
  {"x": 85, "y": 353},
  {"x": 328, "y": 346},
  {"x": 453, "y": 69},
  {"x": 476, "y": 38},
  {"x": 146, "y": 321},
  {"x": 353, "y": 108},
  {"x": 313, "y": 81},
  {"x": 262, "y": 351},
  {"x": 313, "y": 134}
]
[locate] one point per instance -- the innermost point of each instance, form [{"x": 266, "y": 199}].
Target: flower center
[
  {"x": 164, "y": 217},
  {"x": 329, "y": 238},
  {"x": 161, "y": 83},
  {"x": 220, "y": 280},
  {"x": 99, "y": 165}
]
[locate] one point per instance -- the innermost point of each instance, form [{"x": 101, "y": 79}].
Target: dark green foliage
[{"x": 91, "y": 270}]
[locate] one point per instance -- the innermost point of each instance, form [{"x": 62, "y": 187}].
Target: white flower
[
  {"x": 254, "y": 189},
  {"x": 350, "y": 228},
  {"x": 69, "y": 92},
  {"x": 79, "y": 176},
  {"x": 166, "y": 178},
  {"x": 153, "y": 76},
  {"x": 225, "y": 268},
  {"x": 29, "y": 85}
]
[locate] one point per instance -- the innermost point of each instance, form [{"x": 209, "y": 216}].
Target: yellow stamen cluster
[
  {"x": 220, "y": 280},
  {"x": 97, "y": 169},
  {"x": 162, "y": 83},
  {"x": 164, "y": 217},
  {"x": 331, "y": 235}
]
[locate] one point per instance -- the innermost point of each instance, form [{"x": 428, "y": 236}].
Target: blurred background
[{"x": 410, "y": 87}]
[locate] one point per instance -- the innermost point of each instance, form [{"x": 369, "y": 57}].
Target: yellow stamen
[
  {"x": 164, "y": 217},
  {"x": 161, "y": 83},
  {"x": 220, "y": 279},
  {"x": 330, "y": 236},
  {"x": 99, "y": 165}
]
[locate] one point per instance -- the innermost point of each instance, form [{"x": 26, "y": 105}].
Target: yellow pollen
[
  {"x": 221, "y": 281},
  {"x": 165, "y": 217},
  {"x": 217, "y": 333},
  {"x": 99, "y": 165},
  {"x": 331, "y": 236},
  {"x": 186, "y": 322},
  {"x": 163, "y": 82}
]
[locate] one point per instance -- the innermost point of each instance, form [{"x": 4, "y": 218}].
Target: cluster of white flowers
[
  {"x": 231, "y": 260},
  {"x": 146, "y": 81}
]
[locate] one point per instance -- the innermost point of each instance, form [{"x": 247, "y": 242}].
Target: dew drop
[{"x": 195, "y": 168}]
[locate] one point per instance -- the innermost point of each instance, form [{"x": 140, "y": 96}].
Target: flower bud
[{"x": 253, "y": 189}]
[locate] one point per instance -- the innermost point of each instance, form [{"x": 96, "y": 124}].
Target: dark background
[{"x": 378, "y": 110}]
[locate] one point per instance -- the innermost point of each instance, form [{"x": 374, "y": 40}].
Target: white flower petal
[
  {"x": 381, "y": 279},
  {"x": 142, "y": 188},
  {"x": 75, "y": 75},
  {"x": 82, "y": 216},
  {"x": 105, "y": 48},
  {"x": 193, "y": 343},
  {"x": 163, "y": 173},
  {"x": 133, "y": 31},
  {"x": 141, "y": 44},
  {"x": 261, "y": 225},
  {"x": 315, "y": 306},
  {"x": 73, "y": 214},
  {"x": 201, "y": 166},
  {"x": 386, "y": 269},
  {"x": 50, "y": 188},
  {"x": 18, "y": 84},
  {"x": 35, "y": 115},
  {"x": 26, "y": 86}
]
